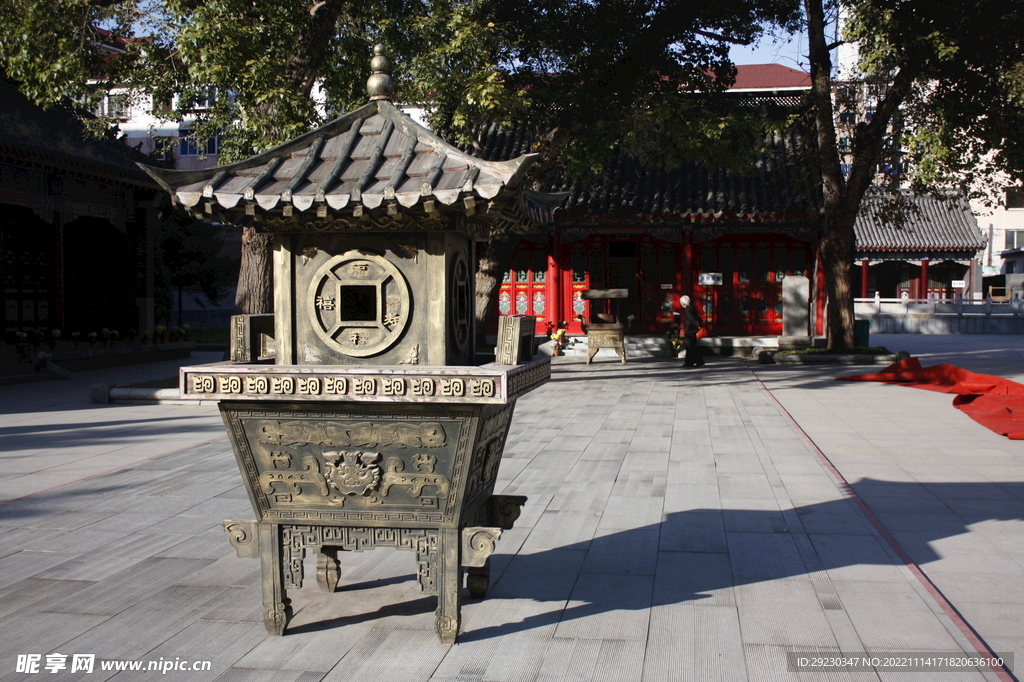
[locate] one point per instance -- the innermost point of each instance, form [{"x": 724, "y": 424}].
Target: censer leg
[
  {"x": 277, "y": 607},
  {"x": 478, "y": 579},
  {"x": 449, "y": 604}
]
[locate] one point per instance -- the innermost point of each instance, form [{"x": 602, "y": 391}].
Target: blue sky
[{"x": 788, "y": 49}]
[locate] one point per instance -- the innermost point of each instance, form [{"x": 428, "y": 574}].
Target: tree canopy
[
  {"x": 588, "y": 72},
  {"x": 586, "y": 75},
  {"x": 951, "y": 77}
]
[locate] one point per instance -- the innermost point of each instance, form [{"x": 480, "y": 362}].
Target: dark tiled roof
[
  {"x": 779, "y": 188},
  {"x": 371, "y": 156},
  {"x": 54, "y": 138},
  {"x": 931, "y": 224}
]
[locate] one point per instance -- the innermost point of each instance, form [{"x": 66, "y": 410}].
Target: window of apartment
[
  {"x": 1015, "y": 197},
  {"x": 200, "y": 101},
  {"x": 113, "y": 106},
  {"x": 162, "y": 106},
  {"x": 188, "y": 146},
  {"x": 1014, "y": 240},
  {"x": 848, "y": 117},
  {"x": 848, "y": 94},
  {"x": 163, "y": 148}
]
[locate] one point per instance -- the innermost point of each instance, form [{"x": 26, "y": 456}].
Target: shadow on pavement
[{"x": 695, "y": 556}]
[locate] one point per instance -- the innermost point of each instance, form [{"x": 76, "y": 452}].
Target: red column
[
  {"x": 819, "y": 298},
  {"x": 864, "y": 266},
  {"x": 924, "y": 279},
  {"x": 684, "y": 273},
  {"x": 554, "y": 279}
]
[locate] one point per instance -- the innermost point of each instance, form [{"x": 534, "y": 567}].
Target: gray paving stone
[
  {"x": 547, "y": 576},
  {"x": 258, "y": 675},
  {"x": 693, "y": 578},
  {"x": 29, "y": 593},
  {"x": 714, "y": 490},
  {"x": 764, "y": 556},
  {"x": 318, "y": 650},
  {"x": 421, "y": 653},
  {"x": 515, "y": 656},
  {"x": 608, "y": 607},
  {"x": 17, "y": 566},
  {"x": 782, "y": 612},
  {"x": 604, "y": 471},
  {"x": 684, "y": 496},
  {"x": 147, "y": 623},
  {"x": 619, "y": 660},
  {"x": 625, "y": 552},
  {"x": 561, "y": 529},
  {"x": 581, "y": 496},
  {"x": 567, "y": 659},
  {"x": 696, "y": 530},
  {"x": 837, "y": 517},
  {"x": 641, "y": 484},
  {"x": 640, "y": 461},
  {"x": 623, "y": 511},
  {"x": 694, "y": 642},
  {"x": 126, "y": 588},
  {"x": 88, "y": 567},
  {"x": 221, "y": 643},
  {"x": 892, "y": 616},
  {"x": 42, "y": 632}
]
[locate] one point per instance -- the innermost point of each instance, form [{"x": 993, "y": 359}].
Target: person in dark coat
[{"x": 691, "y": 325}]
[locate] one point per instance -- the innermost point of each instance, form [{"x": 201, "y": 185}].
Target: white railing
[{"x": 959, "y": 307}]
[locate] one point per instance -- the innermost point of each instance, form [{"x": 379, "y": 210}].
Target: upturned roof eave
[
  {"x": 171, "y": 179},
  {"x": 510, "y": 172}
]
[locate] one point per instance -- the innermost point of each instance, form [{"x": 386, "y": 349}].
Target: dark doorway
[
  {"x": 622, "y": 274},
  {"x": 95, "y": 276},
  {"x": 27, "y": 246}
]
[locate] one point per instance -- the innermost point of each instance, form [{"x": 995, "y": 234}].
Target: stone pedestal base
[{"x": 441, "y": 555}]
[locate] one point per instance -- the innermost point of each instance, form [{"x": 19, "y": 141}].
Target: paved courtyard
[{"x": 682, "y": 524}]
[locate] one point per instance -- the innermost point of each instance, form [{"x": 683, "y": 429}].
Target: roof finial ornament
[{"x": 379, "y": 85}]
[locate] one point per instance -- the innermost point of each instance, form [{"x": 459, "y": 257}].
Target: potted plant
[{"x": 557, "y": 335}]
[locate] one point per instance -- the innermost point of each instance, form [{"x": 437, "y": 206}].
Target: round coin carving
[{"x": 359, "y": 304}]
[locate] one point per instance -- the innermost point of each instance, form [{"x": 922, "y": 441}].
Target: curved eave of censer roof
[{"x": 373, "y": 156}]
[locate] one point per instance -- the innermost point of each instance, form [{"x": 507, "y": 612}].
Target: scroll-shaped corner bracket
[
  {"x": 478, "y": 544},
  {"x": 244, "y": 537},
  {"x": 505, "y": 509}
]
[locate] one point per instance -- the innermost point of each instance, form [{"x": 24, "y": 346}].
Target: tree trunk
[
  {"x": 837, "y": 240},
  {"x": 255, "y": 292},
  {"x": 837, "y": 252},
  {"x": 494, "y": 258}
]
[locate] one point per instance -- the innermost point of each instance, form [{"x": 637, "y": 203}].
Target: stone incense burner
[{"x": 372, "y": 427}]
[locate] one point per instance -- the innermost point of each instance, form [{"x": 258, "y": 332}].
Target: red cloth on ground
[{"x": 993, "y": 402}]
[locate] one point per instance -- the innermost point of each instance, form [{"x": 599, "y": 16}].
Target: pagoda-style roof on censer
[{"x": 374, "y": 161}]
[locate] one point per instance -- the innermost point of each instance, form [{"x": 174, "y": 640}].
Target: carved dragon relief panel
[{"x": 373, "y": 468}]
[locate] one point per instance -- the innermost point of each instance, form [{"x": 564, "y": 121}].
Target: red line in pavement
[
  {"x": 973, "y": 637},
  {"x": 110, "y": 471}
]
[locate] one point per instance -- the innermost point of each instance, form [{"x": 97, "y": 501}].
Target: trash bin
[{"x": 862, "y": 333}]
